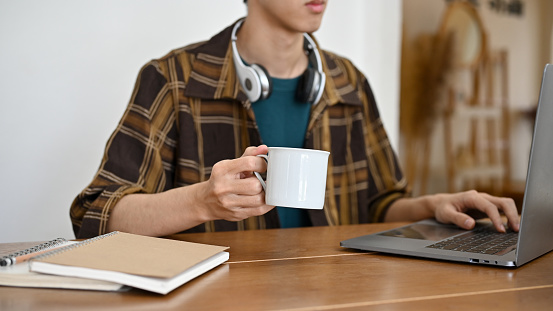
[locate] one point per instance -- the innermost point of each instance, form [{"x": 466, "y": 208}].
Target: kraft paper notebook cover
[{"x": 153, "y": 264}]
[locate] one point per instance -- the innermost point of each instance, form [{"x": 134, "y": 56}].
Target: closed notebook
[
  {"x": 18, "y": 274},
  {"x": 153, "y": 264}
]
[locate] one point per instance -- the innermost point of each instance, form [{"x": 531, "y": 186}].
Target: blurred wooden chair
[{"x": 476, "y": 130}]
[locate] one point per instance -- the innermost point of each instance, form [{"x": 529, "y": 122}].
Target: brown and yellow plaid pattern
[{"x": 188, "y": 111}]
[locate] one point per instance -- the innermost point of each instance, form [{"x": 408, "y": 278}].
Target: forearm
[
  {"x": 410, "y": 209},
  {"x": 159, "y": 214}
]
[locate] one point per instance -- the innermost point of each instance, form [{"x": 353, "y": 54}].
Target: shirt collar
[{"x": 213, "y": 75}]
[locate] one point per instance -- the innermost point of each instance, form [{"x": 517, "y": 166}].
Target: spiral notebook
[
  {"x": 24, "y": 255},
  {"x": 14, "y": 271},
  {"x": 152, "y": 264}
]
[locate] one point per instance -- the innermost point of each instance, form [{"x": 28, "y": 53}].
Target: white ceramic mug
[{"x": 295, "y": 177}]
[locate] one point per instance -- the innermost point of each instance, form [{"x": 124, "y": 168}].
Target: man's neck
[{"x": 279, "y": 51}]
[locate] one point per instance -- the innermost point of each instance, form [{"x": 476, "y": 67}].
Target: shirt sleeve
[
  {"x": 138, "y": 157},
  {"x": 386, "y": 180}
]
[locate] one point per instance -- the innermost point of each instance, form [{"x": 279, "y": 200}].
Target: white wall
[{"x": 68, "y": 69}]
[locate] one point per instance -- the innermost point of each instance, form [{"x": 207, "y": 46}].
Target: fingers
[
  {"x": 253, "y": 151},
  {"x": 239, "y": 168},
  {"x": 235, "y": 207},
  {"x": 247, "y": 212},
  {"x": 244, "y": 199},
  {"x": 481, "y": 202},
  {"x": 508, "y": 207},
  {"x": 237, "y": 200},
  {"x": 464, "y": 221},
  {"x": 244, "y": 186},
  {"x": 454, "y": 208}
]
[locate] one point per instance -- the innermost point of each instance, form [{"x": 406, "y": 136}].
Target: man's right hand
[{"x": 233, "y": 192}]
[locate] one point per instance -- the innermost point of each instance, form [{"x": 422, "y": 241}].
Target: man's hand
[
  {"x": 233, "y": 192},
  {"x": 456, "y": 208},
  {"x": 453, "y": 208}
]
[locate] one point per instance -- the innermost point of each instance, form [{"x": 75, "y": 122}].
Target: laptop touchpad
[{"x": 424, "y": 232}]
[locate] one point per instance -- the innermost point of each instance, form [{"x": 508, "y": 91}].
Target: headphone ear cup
[
  {"x": 265, "y": 81},
  {"x": 305, "y": 85}
]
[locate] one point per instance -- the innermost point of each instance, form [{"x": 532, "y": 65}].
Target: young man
[{"x": 183, "y": 154}]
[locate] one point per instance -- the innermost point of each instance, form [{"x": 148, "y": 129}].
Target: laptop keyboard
[{"x": 483, "y": 241}]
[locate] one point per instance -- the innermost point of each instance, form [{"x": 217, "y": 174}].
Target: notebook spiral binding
[
  {"x": 72, "y": 246},
  {"x": 5, "y": 260}
]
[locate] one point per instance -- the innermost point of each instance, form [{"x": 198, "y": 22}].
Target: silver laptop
[{"x": 482, "y": 245}]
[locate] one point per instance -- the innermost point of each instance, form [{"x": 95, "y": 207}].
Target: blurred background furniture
[{"x": 455, "y": 108}]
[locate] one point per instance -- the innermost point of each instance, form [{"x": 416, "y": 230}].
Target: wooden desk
[{"x": 306, "y": 269}]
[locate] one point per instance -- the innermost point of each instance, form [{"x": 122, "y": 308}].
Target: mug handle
[{"x": 263, "y": 184}]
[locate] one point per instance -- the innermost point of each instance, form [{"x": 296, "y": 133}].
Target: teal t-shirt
[{"x": 282, "y": 122}]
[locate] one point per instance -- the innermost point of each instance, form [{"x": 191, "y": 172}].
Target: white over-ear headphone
[{"x": 256, "y": 82}]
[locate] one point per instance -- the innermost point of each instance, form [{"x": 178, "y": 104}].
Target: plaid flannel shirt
[{"x": 188, "y": 111}]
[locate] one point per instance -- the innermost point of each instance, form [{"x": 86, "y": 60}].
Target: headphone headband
[{"x": 256, "y": 82}]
